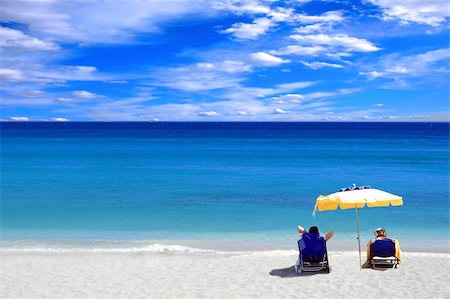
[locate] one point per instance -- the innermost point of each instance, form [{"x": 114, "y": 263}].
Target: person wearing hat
[{"x": 380, "y": 234}]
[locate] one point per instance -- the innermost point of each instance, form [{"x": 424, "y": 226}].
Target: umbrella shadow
[{"x": 289, "y": 272}]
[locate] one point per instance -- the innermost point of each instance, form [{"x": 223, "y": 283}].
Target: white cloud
[
  {"x": 331, "y": 16},
  {"x": 16, "y": 39},
  {"x": 239, "y": 113},
  {"x": 15, "y": 76},
  {"x": 31, "y": 93},
  {"x": 286, "y": 87},
  {"x": 208, "y": 113},
  {"x": 430, "y": 12},
  {"x": 232, "y": 66},
  {"x": 428, "y": 65},
  {"x": 19, "y": 118},
  {"x": 281, "y": 14},
  {"x": 98, "y": 21},
  {"x": 205, "y": 65},
  {"x": 298, "y": 50},
  {"x": 290, "y": 98},
  {"x": 202, "y": 76},
  {"x": 317, "y": 65},
  {"x": 372, "y": 74},
  {"x": 279, "y": 111},
  {"x": 378, "y": 105},
  {"x": 337, "y": 40},
  {"x": 58, "y": 74},
  {"x": 265, "y": 59},
  {"x": 246, "y": 31},
  {"x": 70, "y": 73},
  {"x": 64, "y": 100},
  {"x": 329, "y": 94},
  {"x": 59, "y": 119},
  {"x": 314, "y": 28},
  {"x": 241, "y": 7},
  {"x": 83, "y": 94}
]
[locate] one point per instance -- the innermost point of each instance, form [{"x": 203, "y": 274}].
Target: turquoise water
[{"x": 217, "y": 181}]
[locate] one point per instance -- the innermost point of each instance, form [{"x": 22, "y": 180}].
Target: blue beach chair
[
  {"x": 382, "y": 254},
  {"x": 313, "y": 256}
]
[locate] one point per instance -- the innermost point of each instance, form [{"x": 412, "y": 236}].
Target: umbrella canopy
[{"x": 356, "y": 198}]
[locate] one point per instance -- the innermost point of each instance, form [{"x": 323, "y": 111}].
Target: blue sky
[{"x": 174, "y": 60}]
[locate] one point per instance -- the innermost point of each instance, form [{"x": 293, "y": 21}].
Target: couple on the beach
[{"x": 380, "y": 234}]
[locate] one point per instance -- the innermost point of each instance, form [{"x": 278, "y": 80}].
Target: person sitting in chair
[
  {"x": 380, "y": 234},
  {"x": 312, "y": 247}
]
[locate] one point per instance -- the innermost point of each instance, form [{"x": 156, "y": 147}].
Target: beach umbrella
[{"x": 356, "y": 198}]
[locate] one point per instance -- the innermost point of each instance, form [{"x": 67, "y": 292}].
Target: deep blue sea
[{"x": 239, "y": 183}]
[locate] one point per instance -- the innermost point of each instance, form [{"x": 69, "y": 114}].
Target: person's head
[
  {"x": 314, "y": 229},
  {"x": 380, "y": 232}
]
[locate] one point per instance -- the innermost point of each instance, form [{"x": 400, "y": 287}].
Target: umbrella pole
[{"x": 359, "y": 241}]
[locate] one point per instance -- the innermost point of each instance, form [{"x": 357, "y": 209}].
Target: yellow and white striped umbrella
[{"x": 356, "y": 199}]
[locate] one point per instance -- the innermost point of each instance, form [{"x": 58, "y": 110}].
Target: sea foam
[{"x": 153, "y": 248}]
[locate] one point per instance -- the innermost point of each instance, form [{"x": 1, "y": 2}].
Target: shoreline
[{"x": 196, "y": 245}]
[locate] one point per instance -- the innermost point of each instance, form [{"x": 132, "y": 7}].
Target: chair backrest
[
  {"x": 382, "y": 248},
  {"x": 312, "y": 247}
]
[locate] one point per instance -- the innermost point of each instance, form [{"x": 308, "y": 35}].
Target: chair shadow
[
  {"x": 367, "y": 265},
  {"x": 289, "y": 272}
]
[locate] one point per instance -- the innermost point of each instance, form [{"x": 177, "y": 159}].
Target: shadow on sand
[
  {"x": 289, "y": 272},
  {"x": 367, "y": 265}
]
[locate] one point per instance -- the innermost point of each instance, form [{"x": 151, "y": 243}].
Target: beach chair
[
  {"x": 382, "y": 253},
  {"x": 313, "y": 256}
]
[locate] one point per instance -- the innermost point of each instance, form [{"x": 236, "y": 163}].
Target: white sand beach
[{"x": 263, "y": 274}]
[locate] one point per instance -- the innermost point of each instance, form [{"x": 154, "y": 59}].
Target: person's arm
[
  {"x": 329, "y": 235},
  {"x": 300, "y": 229},
  {"x": 397, "y": 249}
]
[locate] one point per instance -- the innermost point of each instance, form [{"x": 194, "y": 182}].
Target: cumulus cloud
[
  {"x": 245, "y": 31},
  {"x": 317, "y": 65},
  {"x": 59, "y": 119},
  {"x": 349, "y": 43},
  {"x": 266, "y": 59},
  {"x": 241, "y": 7},
  {"x": 57, "y": 74},
  {"x": 281, "y": 14},
  {"x": 208, "y": 113},
  {"x": 202, "y": 76},
  {"x": 330, "y": 16},
  {"x": 16, "y": 39},
  {"x": 431, "y": 64},
  {"x": 279, "y": 111},
  {"x": 83, "y": 94},
  {"x": 314, "y": 28},
  {"x": 19, "y": 118},
  {"x": 16, "y": 76},
  {"x": 239, "y": 113},
  {"x": 97, "y": 21},
  {"x": 232, "y": 66},
  {"x": 298, "y": 50},
  {"x": 429, "y": 12},
  {"x": 286, "y": 87},
  {"x": 288, "y": 98},
  {"x": 64, "y": 100}
]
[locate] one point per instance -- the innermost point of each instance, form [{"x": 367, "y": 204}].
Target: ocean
[{"x": 217, "y": 185}]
